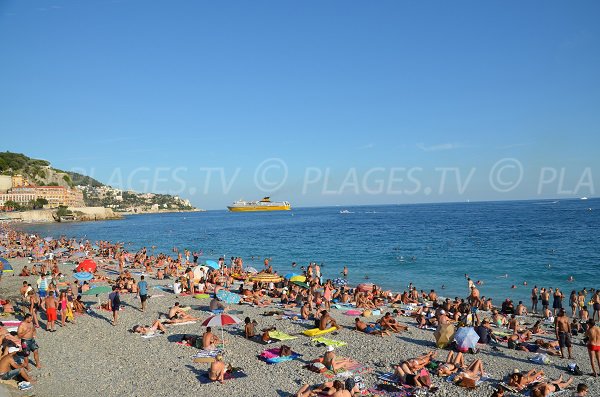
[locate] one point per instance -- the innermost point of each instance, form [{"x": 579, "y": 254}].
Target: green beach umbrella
[
  {"x": 97, "y": 290},
  {"x": 300, "y": 284}
]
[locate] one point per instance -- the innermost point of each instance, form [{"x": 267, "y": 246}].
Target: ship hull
[{"x": 260, "y": 208}]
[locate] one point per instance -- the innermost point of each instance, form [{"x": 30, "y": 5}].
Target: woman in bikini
[
  {"x": 520, "y": 381},
  {"x": 453, "y": 364},
  {"x": 547, "y": 388}
]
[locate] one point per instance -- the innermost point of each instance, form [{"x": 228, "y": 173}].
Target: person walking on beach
[
  {"x": 143, "y": 292},
  {"x": 593, "y": 345},
  {"x": 534, "y": 299},
  {"x": 114, "y": 303},
  {"x": 563, "y": 332}
]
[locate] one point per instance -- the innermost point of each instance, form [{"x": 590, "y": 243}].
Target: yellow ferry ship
[{"x": 262, "y": 205}]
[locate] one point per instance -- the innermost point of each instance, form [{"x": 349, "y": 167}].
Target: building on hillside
[
  {"x": 55, "y": 195},
  {"x": 5, "y": 183}
]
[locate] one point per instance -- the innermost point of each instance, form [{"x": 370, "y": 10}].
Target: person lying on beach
[
  {"x": 515, "y": 339},
  {"x": 414, "y": 364},
  {"x": 453, "y": 364},
  {"x": 216, "y": 304},
  {"x": 387, "y": 322},
  {"x": 7, "y": 337},
  {"x": 149, "y": 330},
  {"x": 210, "y": 340},
  {"x": 371, "y": 329},
  {"x": 546, "y": 388},
  {"x": 537, "y": 328},
  {"x": 25, "y": 272},
  {"x": 416, "y": 378},
  {"x": 520, "y": 380},
  {"x": 335, "y": 389},
  {"x": 217, "y": 370},
  {"x": 469, "y": 377},
  {"x": 8, "y": 307}
]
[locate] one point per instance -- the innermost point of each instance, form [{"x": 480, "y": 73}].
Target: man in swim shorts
[
  {"x": 546, "y": 388},
  {"x": 26, "y": 332},
  {"x": 593, "y": 335},
  {"x": 563, "y": 332},
  {"x": 50, "y": 308}
]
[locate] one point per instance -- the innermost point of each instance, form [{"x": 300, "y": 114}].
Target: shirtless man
[
  {"x": 326, "y": 321},
  {"x": 217, "y": 370},
  {"x": 210, "y": 340},
  {"x": 150, "y": 330},
  {"x": 593, "y": 335},
  {"x": 368, "y": 328},
  {"x": 521, "y": 310},
  {"x": 177, "y": 314},
  {"x": 49, "y": 306},
  {"x": 546, "y": 388},
  {"x": 9, "y": 368},
  {"x": 388, "y": 322},
  {"x": 563, "y": 332},
  {"x": 26, "y": 332}
]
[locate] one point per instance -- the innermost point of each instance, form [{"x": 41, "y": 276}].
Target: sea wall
[{"x": 47, "y": 215}]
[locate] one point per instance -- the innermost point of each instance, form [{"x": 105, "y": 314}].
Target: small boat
[
  {"x": 262, "y": 205},
  {"x": 346, "y": 212},
  {"x": 583, "y": 198}
]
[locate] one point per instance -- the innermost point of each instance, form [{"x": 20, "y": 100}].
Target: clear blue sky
[{"x": 148, "y": 94}]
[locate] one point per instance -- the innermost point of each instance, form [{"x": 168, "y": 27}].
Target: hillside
[{"x": 95, "y": 193}]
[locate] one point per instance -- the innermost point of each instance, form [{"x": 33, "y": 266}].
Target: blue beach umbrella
[
  {"x": 212, "y": 264},
  {"x": 228, "y": 297},
  {"x": 7, "y": 266},
  {"x": 83, "y": 276},
  {"x": 466, "y": 338},
  {"x": 290, "y": 275}
]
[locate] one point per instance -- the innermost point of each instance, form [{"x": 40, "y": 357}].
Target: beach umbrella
[
  {"x": 221, "y": 320},
  {"x": 212, "y": 264},
  {"x": 444, "y": 335},
  {"x": 301, "y": 284},
  {"x": 266, "y": 278},
  {"x": 290, "y": 275},
  {"x": 98, "y": 290},
  {"x": 200, "y": 272},
  {"x": 83, "y": 276},
  {"x": 466, "y": 338},
  {"x": 7, "y": 266},
  {"x": 87, "y": 265},
  {"x": 228, "y": 297},
  {"x": 338, "y": 282},
  {"x": 302, "y": 279},
  {"x": 250, "y": 269}
]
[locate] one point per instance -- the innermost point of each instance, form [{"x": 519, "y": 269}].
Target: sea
[{"x": 503, "y": 245}]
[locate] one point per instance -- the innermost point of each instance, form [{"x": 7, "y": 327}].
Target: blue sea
[{"x": 431, "y": 245}]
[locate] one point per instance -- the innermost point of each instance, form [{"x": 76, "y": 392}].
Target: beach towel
[
  {"x": 280, "y": 335},
  {"x": 353, "y": 313},
  {"x": 328, "y": 342},
  {"x": 317, "y": 331},
  {"x": 184, "y": 323},
  {"x": 271, "y": 356},
  {"x": 228, "y": 376},
  {"x": 202, "y": 296},
  {"x": 351, "y": 368},
  {"x": 148, "y": 336},
  {"x": 208, "y": 353},
  {"x": 388, "y": 377}
]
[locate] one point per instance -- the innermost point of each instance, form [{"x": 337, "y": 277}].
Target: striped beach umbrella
[
  {"x": 221, "y": 320},
  {"x": 266, "y": 278},
  {"x": 302, "y": 279}
]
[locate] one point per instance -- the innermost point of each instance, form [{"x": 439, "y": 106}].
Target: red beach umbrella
[
  {"x": 87, "y": 265},
  {"x": 221, "y": 320}
]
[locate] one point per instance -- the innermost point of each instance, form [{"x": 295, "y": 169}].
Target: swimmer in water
[
  {"x": 570, "y": 279},
  {"x": 514, "y": 286},
  {"x": 524, "y": 282},
  {"x": 479, "y": 282},
  {"x": 443, "y": 286}
]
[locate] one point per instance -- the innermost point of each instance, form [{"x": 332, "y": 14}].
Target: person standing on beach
[
  {"x": 26, "y": 332},
  {"x": 557, "y": 302},
  {"x": 114, "y": 303},
  {"x": 49, "y": 306},
  {"x": 596, "y": 306},
  {"x": 345, "y": 272},
  {"x": 545, "y": 298},
  {"x": 143, "y": 292},
  {"x": 593, "y": 344},
  {"x": 563, "y": 332},
  {"x": 534, "y": 299}
]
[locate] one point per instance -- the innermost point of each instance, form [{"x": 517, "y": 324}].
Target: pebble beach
[{"x": 95, "y": 358}]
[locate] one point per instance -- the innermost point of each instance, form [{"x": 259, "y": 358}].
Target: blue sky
[{"x": 339, "y": 100}]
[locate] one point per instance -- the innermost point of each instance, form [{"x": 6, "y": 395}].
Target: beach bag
[
  {"x": 285, "y": 350},
  {"x": 574, "y": 369},
  {"x": 367, "y": 313}
]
